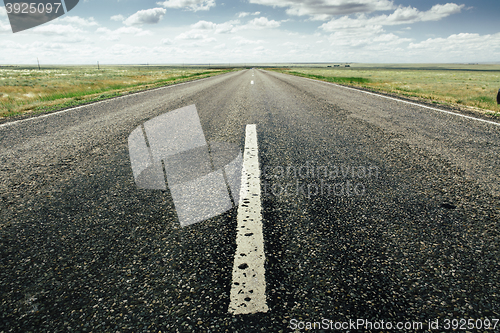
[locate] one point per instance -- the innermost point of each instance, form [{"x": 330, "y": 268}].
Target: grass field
[
  {"x": 473, "y": 86},
  {"x": 30, "y": 90}
]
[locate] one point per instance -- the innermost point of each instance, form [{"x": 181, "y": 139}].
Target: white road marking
[
  {"x": 251, "y": 82},
  {"x": 411, "y": 103},
  {"x": 248, "y": 287}
]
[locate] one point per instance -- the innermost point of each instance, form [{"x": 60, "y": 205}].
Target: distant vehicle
[
  {"x": 336, "y": 65},
  {"x": 347, "y": 65}
]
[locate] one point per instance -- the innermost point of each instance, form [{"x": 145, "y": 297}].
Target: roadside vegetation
[
  {"x": 464, "y": 86},
  {"x": 30, "y": 90}
]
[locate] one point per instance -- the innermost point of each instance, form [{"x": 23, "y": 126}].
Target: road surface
[{"x": 372, "y": 209}]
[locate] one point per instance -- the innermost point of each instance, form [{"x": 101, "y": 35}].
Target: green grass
[
  {"x": 335, "y": 79},
  {"x": 454, "y": 84},
  {"x": 27, "y": 89}
]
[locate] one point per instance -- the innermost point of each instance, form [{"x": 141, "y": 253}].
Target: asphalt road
[{"x": 372, "y": 209}]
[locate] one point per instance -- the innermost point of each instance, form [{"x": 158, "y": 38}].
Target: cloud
[
  {"x": 204, "y": 25},
  {"x": 56, "y": 29},
  {"x": 202, "y": 42},
  {"x": 115, "y": 35},
  {"x": 147, "y": 16},
  {"x": 117, "y": 18},
  {"x": 463, "y": 47},
  {"x": 226, "y": 27},
  {"x": 407, "y": 15},
  {"x": 4, "y": 28},
  {"x": 362, "y": 37},
  {"x": 193, "y": 5},
  {"x": 243, "y": 41},
  {"x": 402, "y": 15},
  {"x": 263, "y": 22},
  {"x": 190, "y": 35},
  {"x": 222, "y": 28},
  {"x": 166, "y": 41},
  {"x": 245, "y": 14},
  {"x": 325, "y": 9},
  {"x": 79, "y": 21},
  {"x": 467, "y": 42}
]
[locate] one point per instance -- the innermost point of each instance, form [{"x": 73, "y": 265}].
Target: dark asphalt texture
[{"x": 373, "y": 209}]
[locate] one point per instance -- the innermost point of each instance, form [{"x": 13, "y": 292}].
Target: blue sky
[{"x": 260, "y": 31}]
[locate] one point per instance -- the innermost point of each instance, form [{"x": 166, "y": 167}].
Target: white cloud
[
  {"x": 263, "y": 22},
  {"x": 4, "y": 28},
  {"x": 245, "y": 14},
  {"x": 407, "y": 15},
  {"x": 402, "y": 15},
  {"x": 463, "y": 47},
  {"x": 466, "y": 42},
  {"x": 190, "y": 35},
  {"x": 324, "y": 9},
  {"x": 115, "y": 35},
  {"x": 193, "y": 5},
  {"x": 166, "y": 41},
  {"x": 79, "y": 21},
  {"x": 366, "y": 36},
  {"x": 56, "y": 29},
  {"x": 226, "y": 27},
  {"x": 202, "y": 42},
  {"x": 243, "y": 41},
  {"x": 117, "y": 18},
  {"x": 147, "y": 16},
  {"x": 204, "y": 25}
]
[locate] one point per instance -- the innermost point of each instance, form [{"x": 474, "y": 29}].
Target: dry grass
[
  {"x": 473, "y": 86},
  {"x": 27, "y": 89}
]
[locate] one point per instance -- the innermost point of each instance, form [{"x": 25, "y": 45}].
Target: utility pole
[
  {"x": 38, "y": 61},
  {"x": 98, "y": 66}
]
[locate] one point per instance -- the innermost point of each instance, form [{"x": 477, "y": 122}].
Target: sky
[{"x": 260, "y": 31}]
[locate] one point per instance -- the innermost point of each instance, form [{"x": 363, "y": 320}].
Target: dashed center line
[
  {"x": 251, "y": 82},
  {"x": 248, "y": 287}
]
